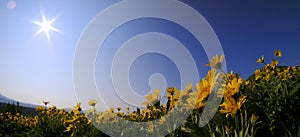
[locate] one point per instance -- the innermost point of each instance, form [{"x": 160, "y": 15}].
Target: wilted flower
[
  {"x": 253, "y": 119},
  {"x": 228, "y": 130}
]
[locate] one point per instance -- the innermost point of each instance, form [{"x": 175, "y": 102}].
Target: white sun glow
[{"x": 45, "y": 26}]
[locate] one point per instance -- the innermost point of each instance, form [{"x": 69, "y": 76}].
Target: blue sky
[{"x": 33, "y": 70}]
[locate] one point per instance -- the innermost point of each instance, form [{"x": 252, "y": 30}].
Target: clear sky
[{"x": 35, "y": 68}]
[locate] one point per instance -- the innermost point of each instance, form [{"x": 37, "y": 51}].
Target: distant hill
[
  {"x": 24, "y": 110},
  {"x": 26, "y": 107},
  {"x": 4, "y": 99}
]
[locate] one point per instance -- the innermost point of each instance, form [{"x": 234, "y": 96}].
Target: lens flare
[{"x": 45, "y": 26}]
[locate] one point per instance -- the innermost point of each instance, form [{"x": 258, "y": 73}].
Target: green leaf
[
  {"x": 298, "y": 134},
  {"x": 235, "y": 133},
  {"x": 241, "y": 133},
  {"x": 295, "y": 90},
  {"x": 246, "y": 132}
]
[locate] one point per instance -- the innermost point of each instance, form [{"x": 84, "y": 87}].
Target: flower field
[{"x": 265, "y": 104}]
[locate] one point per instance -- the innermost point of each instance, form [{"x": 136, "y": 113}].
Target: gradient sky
[{"x": 34, "y": 69}]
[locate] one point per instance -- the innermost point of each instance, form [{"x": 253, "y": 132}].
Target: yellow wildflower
[
  {"x": 177, "y": 96},
  {"x": 46, "y": 102},
  {"x": 152, "y": 99},
  {"x": 207, "y": 83},
  {"x": 230, "y": 106},
  {"x": 272, "y": 72},
  {"x": 133, "y": 115},
  {"x": 247, "y": 82},
  {"x": 203, "y": 89},
  {"x": 40, "y": 108},
  {"x": 195, "y": 101},
  {"x": 277, "y": 53},
  {"x": 230, "y": 76},
  {"x": 189, "y": 86},
  {"x": 294, "y": 69},
  {"x": 257, "y": 74},
  {"x": 174, "y": 99},
  {"x": 212, "y": 77},
  {"x": 89, "y": 122},
  {"x": 119, "y": 108},
  {"x": 111, "y": 110},
  {"x": 70, "y": 127},
  {"x": 93, "y": 103},
  {"x": 216, "y": 62},
  {"x": 267, "y": 77},
  {"x": 274, "y": 63},
  {"x": 261, "y": 60},
  {"x": 171, "y": 90},
  {"x": 232, "y": 87},
  {"x": 62, "y": 112},
  {"x": 77, "y": 107},
  {"x": 184, "y": 93}
]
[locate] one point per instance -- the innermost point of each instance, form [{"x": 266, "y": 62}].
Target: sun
[{"x": 45, "y": 26}]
